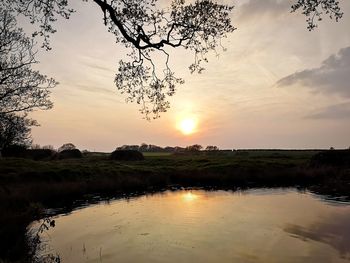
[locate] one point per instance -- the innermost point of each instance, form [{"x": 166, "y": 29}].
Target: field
[{"x": 28, "y": 186}]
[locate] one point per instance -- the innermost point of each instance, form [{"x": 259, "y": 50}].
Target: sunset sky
[{"x": 277, "y": 85}]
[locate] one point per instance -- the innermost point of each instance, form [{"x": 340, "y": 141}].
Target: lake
[{"x": 258, "y": 225}]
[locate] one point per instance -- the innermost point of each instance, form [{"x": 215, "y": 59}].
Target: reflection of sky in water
[
  {"x": 331, "y": 230},
  {"x": 201, "y": 226}
]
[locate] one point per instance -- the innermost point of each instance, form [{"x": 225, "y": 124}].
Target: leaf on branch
[{"x": 314, "y": 9}]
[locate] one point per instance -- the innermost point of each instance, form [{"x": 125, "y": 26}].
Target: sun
[{"x": 188, "y": 126}]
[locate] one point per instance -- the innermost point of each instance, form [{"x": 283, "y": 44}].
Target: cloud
[
  {"x": 97, "y": 64},
  {"x": 94, "y": 66},
  {"x": 258, "y": 8},
  {"x": 338, "y": 111},
  {"x": 92, "y": 88},
  {"x": 332, "y": 77}
]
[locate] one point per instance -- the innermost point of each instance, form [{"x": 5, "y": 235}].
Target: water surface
[{"x": 206, "y": 226}]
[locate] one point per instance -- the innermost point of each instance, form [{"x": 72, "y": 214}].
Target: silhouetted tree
[
  {"x": 179, "y": 149},
  {"x": 154, "y": 148},
  {"x": 211, "y": 148},
  {"x": 15, "y": 130},
  {"x": 39, "y": 147},
  {"x": 143, "y": 147},
  {"x": 48, "y": 147},
  {"x": 67, "y": 146},
  {"x": 313, "y": 10},
  {"x": 21, "y": 88},
  {"x": 169, "y": 149},
  {"x": 194, "y": 148},
  {"x": 148, "y": 31},
  {"x": 35, "y": 147},
  {"x": 128, "y": 147}
]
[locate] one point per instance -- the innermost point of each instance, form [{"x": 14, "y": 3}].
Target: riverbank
[{"x": 27, "y": 186}]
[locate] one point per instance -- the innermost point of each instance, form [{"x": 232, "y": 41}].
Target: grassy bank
[{"x": 27, "y": 186}]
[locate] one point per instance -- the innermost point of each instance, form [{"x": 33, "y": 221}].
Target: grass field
[{"x": 27, "y": 186}]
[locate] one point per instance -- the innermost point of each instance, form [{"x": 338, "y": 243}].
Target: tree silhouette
[
  {"x": 66, "y": 146},
  {"x": 194, "y": 148},
  {"x": 212, "y": 148},
  {"x": 314, "y": 9},
  {"x": 148, "y": 31},
  {"x": 15, "y": 130},
  {"x": 21, "y": 88}
]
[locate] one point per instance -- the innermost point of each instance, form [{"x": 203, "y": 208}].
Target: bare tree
[{"x": 148, "y": 31}]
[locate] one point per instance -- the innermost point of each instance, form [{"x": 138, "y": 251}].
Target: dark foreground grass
[{"x": 27, "y": 187}]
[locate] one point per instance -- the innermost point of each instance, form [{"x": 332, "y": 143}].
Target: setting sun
[{"x": 188, "y": 126}]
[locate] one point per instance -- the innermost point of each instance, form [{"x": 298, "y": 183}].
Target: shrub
[
  {"x": 67, "y": 146},
  {"x": 127, "y": 155},
  {"x": 70, "y": 154},
  {"x": 39, "y": 154},
  {"x": 331, "y": 158},
  {"x": 18, "y": 151}
]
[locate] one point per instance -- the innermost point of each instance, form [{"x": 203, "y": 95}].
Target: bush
[
  {"x": 67, "y": 146},
  {"x": 127, "y": 155},
  {"x": 70, "y": 154},
  {"x": 18, "y": 151},
  {"x": 331, "y": 158},
  {"x": 39, "y": 154}
]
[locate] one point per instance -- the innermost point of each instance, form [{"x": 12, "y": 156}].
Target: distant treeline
[
  {"x": 197, "y": 147},
  {"x": 169, "y": 149}
]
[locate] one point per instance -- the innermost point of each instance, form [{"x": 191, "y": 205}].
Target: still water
[{"x": 281, "y": 225}]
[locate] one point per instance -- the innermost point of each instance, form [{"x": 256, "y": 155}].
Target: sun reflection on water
[
  {"x": 199, "y": 226},
  {"x": 189, "y": 197}
]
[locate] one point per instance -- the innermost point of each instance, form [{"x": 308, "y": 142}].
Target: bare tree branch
[{"x": 148, "y": 31}]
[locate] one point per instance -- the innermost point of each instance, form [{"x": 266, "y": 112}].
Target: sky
[{"x": 276, "y": 86}]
